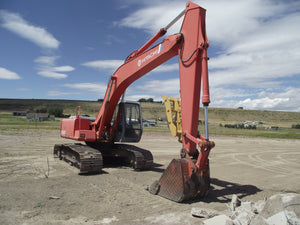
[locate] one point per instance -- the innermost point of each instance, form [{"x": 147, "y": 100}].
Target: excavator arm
[
  {"x": 130, "y": 71},
  {"x": 187, "y": 177},
  {"x": 191, "y": 46}
]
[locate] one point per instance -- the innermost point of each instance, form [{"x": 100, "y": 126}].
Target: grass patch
[
  {"x": 282, "y": 132},
  {"x": 217, "y": 116},
  {"x": 39, "y": 205},
  {"x": 9, "y": 122}
]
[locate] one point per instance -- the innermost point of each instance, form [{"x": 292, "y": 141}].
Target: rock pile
[{"x": 279, "y": 209}]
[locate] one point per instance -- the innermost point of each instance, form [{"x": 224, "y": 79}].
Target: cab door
[{"x": 129, "y": 127}]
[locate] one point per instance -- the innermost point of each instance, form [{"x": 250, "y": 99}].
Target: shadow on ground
[{"x": 222, "y": 191}]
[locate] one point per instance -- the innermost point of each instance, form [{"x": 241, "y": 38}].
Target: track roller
[{"x": 85, "y": 158}]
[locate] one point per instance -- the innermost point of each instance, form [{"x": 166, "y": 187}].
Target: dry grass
[{"x": 217, "y": 117}]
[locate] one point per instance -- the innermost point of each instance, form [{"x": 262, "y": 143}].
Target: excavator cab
[{"x": 129, "y": 122}]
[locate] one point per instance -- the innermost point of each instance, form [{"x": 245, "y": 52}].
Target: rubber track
[
  {"x": 90, "y": 159},
  {"x": 138, "y": 158},
  {"x": 85, "y": 158}
]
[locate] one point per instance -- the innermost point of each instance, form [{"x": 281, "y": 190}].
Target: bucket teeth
[{"x": 181, "y": 182}]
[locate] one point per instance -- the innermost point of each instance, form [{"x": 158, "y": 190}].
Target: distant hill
[
  {"x": 150, "y": 110},
  {"x": 31, "y": 105}
]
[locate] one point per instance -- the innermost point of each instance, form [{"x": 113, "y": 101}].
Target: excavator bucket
[
  {"x": 182, "y": 181},
  {"x": 185, "y": 178}
]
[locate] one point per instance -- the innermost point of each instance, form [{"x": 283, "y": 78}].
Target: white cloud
[
  {"x": 60, "y": 93},
  {"x": 63, "y": 68},
  {"x": 284, "y": 99},
  {"x": 110, "y": 39},
  {"x": 269, "y": 53},
  {"x": 263, "y": 103},
  {"x": 153, "y": 17},
  {"x": 221, "y": 93},
  {"x": 165, "y": 87},
  {"x": 272, "y": 33},
  {"x": 52, "y": 74},
  {"x": 38, "y": 35},
  {"x": 49, "y": 60},
  {"x": 113, "y": 65},
  {"x": 256, "y": 46},
  {"x": 110, "y": 65},
  {"x": 8, "y": 75},
  {"x": 166, "y": 68},
  {"x": 98, "y": 88},
  {"x": 230, "y": 21},
  {"x": 46, "y": 67}
]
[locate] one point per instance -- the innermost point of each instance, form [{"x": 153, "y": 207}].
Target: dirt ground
[{"x": 35, "y": 188}]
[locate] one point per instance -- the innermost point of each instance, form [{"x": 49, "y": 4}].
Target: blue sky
[{"x": 67, "y": 49}]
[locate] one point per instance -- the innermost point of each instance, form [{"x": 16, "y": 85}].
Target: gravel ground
[{"x": 35, "y": 188}]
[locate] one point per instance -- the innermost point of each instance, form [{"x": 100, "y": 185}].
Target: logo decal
[{"x": 146, "y": 58}]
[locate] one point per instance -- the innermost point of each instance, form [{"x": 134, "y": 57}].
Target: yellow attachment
[{"x": 173, "y": 111}]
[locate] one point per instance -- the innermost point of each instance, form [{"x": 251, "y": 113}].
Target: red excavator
[{"x": 120, "y": 121}]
